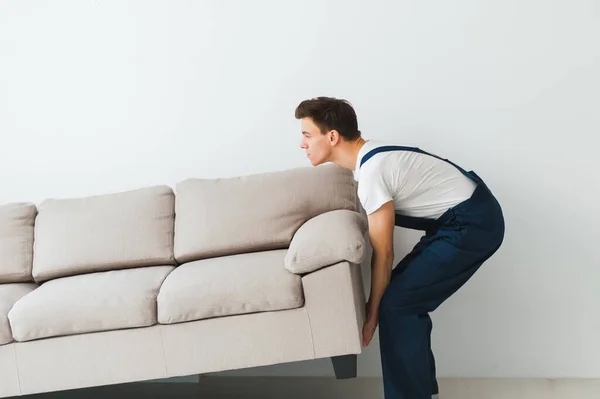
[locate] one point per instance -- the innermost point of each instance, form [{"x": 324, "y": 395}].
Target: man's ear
[{"x": 333, "y": 136}]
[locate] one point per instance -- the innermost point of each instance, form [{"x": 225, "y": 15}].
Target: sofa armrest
[{"x": 327, "y": 239}]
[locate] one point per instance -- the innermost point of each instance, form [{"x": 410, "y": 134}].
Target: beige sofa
[{"x": 213, "y": 275}]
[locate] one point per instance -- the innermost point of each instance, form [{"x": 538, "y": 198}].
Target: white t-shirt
[{"x": 419, "y": 184}]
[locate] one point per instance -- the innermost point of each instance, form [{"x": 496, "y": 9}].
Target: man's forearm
[{"x": 381, "y": 270}]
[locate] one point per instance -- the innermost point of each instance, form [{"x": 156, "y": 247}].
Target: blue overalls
[{"x": 454, "y": 246}]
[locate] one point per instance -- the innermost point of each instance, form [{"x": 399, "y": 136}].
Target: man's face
[{"x": 316, "y": 144}]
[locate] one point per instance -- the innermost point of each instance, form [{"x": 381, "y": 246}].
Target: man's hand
[
  {"x": 370, "y": 325},
  {"x": 381, "y": 235}
]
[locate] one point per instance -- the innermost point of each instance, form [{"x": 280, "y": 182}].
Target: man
[{"x": 462, "y": 222}]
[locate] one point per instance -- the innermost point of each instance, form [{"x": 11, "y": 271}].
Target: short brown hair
[{"x": 330, "y": 113}]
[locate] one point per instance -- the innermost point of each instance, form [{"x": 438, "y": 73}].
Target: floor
[{"x": 321, "y": 388}]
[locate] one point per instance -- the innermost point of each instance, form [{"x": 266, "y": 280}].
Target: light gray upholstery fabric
[
  {"x": 16, "y": 242},
  {"x": 252, "y": 213},
  {"x": 9, "y": 295},
  {"x": 105, "y": 232},
  {"x": 229, "y": 285},
  {"x": 327, "y": 239},
  {"x": 87, "y": 303}
]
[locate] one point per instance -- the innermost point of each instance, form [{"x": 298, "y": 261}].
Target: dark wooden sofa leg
[{"x": 344, "y": 366}]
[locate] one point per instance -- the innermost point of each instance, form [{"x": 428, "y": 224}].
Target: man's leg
[
  {"x": 434, "y": 383},
  {"x": 406, "y": 365},
  {"x": 429, "y": 275}
]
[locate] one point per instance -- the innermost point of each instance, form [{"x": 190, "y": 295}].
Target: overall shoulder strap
[{"x": 387, "y": 148}]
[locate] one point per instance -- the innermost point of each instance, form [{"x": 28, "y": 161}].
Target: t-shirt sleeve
[{"x": 373, "y": 191}]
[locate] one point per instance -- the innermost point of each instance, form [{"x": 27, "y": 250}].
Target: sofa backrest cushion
[
  {"x": 104, "y": 232},
  {"x": 16, "y": 242},
  {"x": 217, "y": 217}
]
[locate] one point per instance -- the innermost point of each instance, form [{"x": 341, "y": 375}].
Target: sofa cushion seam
[
  {"x": 17, "y": 368},
  {"x": 310, "y": 330}
]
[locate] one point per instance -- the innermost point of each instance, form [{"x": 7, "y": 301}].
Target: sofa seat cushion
[
  {"x": 87, "y": 303},
  {"x": 229, "y": 285},
  {"x": 9, "y": 294}
]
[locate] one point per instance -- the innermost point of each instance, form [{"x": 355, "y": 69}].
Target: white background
[{"x": 104, "y": 96}]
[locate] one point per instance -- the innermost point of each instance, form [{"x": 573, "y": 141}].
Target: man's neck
[{"x": 347, "y": 153}]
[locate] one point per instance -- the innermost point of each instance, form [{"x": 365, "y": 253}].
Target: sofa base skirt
[
  {"x": 328, "y": 325},
  {"x": 9, "y": 377}
]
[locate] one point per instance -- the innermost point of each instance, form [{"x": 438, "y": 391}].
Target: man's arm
[{"x": 381, "y": 236}]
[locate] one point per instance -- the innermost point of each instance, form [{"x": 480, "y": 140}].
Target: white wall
[{"x": 103, "y": 96}]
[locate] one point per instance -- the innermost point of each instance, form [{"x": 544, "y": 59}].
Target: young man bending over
[{"x": 403, "y": 186}]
